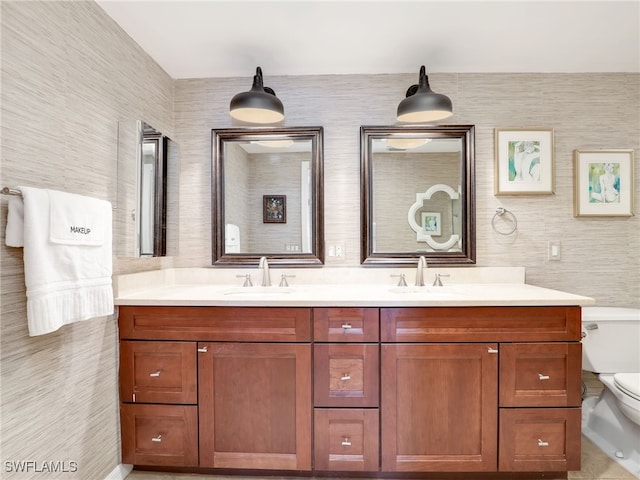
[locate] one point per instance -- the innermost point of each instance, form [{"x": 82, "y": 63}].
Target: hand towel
[
  {"x": 67, "y": 258},
  {"x": 15, "y": 222}
]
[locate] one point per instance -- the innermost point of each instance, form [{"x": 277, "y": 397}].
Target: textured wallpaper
[{"x": 69, "y": 75}]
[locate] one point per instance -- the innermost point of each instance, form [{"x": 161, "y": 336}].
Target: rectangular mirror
[
  {"x": 267, "y": 196},
  {"x": 146, "y": 214},
  {"x": 417, "y": 194}
]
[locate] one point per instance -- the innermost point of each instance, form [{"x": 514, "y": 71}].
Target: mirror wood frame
[
  {"x": 466, "y": 133},
  {"x": 218, "y": 137}
]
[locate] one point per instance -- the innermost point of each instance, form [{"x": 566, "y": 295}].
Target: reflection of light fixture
[
  {"x": 406, "y": 143},
  {"x": 258, "y": 105},
  {"x": 422, "y": 104},
  {"x": 274, "y": 143}
]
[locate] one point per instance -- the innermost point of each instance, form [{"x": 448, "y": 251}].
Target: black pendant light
[
  {"x": 258, "y": 105},
  {"x": 422, "y": 104}
]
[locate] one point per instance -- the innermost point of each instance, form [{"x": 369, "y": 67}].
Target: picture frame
[
  {"x": 603, "y": 183},
  {"x": 431, "y": 223},
  {"x": 524, "y": 161},
  {"x": 274, "y": 209}
]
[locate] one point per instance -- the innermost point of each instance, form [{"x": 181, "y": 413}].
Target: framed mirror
[
  {"x": 147, "y": 212},
  {"x": 268, "y": 196},
  {"x": 418, "y": 194}
]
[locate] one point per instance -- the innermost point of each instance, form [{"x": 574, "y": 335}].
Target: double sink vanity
[
  {"x": 343, "y": 371},
  {"x": 466, "y": 372}
]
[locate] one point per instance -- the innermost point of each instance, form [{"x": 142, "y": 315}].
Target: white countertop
[{"x": 216, "y": 287}]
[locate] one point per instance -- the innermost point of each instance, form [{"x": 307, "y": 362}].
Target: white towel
[
  {"x": 67, "y": 257},
  {"x": 15, "y": 222}
]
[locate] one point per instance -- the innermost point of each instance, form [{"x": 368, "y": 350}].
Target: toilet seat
[{"x": 628, "y": 383}]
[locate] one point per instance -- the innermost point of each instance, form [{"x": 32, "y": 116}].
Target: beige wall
[
  {"x": 69, "y": 74},
  {"x": 599, "y": 256}
]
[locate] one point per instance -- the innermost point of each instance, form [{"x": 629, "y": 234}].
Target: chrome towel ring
[{"x": 510, "y": 217}]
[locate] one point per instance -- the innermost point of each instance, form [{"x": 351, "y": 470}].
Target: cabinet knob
[
  {"x": 203, "y": 350},
  {"x": 543, "y": 377},
  {"x": 345, "y": 376},
  {"x": 492, "y": 350},
  {"x": 346, "y": 442},
  {"x": 155, "y": 374},
  {"x": 157, "y": 439},
  {"x": 542, "y": 443},
  {"x": 346, "y": 326}
]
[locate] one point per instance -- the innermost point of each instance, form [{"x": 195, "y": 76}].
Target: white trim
[{"x": 120, "y": 472}]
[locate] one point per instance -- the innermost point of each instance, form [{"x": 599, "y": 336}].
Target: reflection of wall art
[
  {"x": 274, "y": 209},
  {"x": 603, "y": 184},
  {"x": 524, "y": 161},
  {"x": 431, "y": 223}
]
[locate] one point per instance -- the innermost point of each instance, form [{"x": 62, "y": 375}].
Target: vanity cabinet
[
  {"x": 491, "y": 390},
  {"x": 532, "y": 358},
  {"x": 246, "y": 372}
]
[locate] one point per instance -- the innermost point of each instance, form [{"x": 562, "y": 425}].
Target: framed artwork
[
  {"x": 274, "y": 209},
  {"x": 524, "y": 161},
  {"x": 603, "y": 183},
  {"x": 431, "y": 223}
]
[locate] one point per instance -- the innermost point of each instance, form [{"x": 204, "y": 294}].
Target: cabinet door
[
  {"x": 255, "y": 405},
  {"x": 439, "y": 407},
  {"x": 540, "y": 374}
]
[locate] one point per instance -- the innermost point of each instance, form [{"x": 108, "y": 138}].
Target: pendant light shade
[
  {"x": 258, "y": 105},
  {"x": 422, "y": 104}
]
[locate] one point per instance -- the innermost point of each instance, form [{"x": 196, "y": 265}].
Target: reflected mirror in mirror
[
  {"x": 267, "y": 196},
  {"x": 147, "y": 192},
  {"x": 417, "y": 194}
]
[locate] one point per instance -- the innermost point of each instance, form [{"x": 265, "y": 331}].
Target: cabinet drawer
[
  {"x": 539, "y": 439},
  {"x": 540, "y": 374},
  {"x": 159, "y": 434},
  {"x": 346, "y": 375},
  {"x": 346, "y": 439},
  {"x": 240, "y": 324},
  {"x": 480, "y": 324},
  {"x": 158, "y": 372},
  {"x": 345, "y": 325}
]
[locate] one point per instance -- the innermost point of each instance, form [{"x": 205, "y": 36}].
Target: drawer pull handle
[
  {"x": 345, "y": 376},
  {"x": 157, "y": 439},
  {"x": 543, "y": 377},
  {"x": 542, "y": 443},
  {"x": 492, "y": 350},
  {"x": 346, "y": 326},
  {"x": 154, "y": 374},
  {"x": 203, "y": 350},
  {"x": 346, "y": 442}
]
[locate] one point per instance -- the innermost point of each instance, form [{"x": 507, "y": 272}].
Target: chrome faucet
[
  {"x": 264, "y": 266},
  {"x": 422, "y": 264}
]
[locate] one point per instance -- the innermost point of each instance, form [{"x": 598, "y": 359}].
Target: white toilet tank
[{"x": 611, "y": 339}]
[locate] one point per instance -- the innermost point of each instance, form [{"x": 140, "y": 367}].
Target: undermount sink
[
  {"x": 258, "y": 291},
  {"x": 428, "y": 292}
]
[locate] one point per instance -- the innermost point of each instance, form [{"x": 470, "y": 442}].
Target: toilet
[{"x": 611, "y": 349}]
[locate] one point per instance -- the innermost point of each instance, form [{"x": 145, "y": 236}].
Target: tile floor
[{"x": 595, "y": 463}]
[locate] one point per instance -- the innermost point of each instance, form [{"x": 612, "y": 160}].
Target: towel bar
[{"x": 10, "y": 191}]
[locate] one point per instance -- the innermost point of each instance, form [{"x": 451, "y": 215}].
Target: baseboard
[{"x": 120, "y": 472}]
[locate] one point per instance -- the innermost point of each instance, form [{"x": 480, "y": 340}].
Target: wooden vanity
[{"x": 384, "y": 391}]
